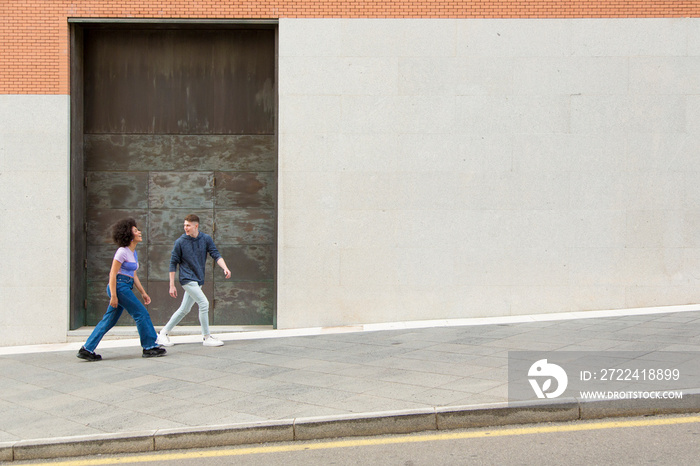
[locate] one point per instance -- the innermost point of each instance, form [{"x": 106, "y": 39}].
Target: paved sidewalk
[{"x": 333, "y": 376}]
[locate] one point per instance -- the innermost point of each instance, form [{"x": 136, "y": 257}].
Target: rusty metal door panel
[
  {"x": 245, "y": 226},
  {"x": 235, "y": 153},
  {"x": 128, "y": 152},
  {"x": 162, "y": 81},
  {"x": 166, "y": 225},
  {"x": 252, "y": 302},
  {"x": 245, "y": 190},
  {"x": 97, "y": 301},
  {"x": 99, "y": 222},
  {"x": 166, "y": 152},
  {"x": 99, "y": 259},
  {"x": 255, "y": 263},
  {"x": 178, "y": 190},
  {"x": 117, "y": 190},
  {"x": 159, "y": 262}
]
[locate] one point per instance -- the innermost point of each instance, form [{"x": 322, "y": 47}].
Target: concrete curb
[
  {"x": 217, "y": 436},
  {"x": 362, "y": 424},
  {"x": 501, "y": 414},
  {"x": 690, "y": 403},
  {"x": 99, "y": 444},
  {"x": 365, "y": 424}
]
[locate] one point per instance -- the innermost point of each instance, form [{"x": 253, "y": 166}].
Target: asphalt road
[{"x": 659, "y": 440}]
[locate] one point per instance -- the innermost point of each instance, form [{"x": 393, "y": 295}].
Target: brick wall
[{"x": 34, "y": 57}]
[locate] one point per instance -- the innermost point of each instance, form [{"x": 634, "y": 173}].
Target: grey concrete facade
[
  {"x": 34, "y": 206},
  {"x": 454, "y": 168},
  {"x": 432, "y": 169}
]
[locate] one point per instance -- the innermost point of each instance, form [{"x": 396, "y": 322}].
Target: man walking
[{"x": 190, "y": 254}]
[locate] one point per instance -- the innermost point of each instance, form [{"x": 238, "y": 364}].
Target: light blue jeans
[
  {"x": 128, "y": 301},
  {"x": 193, "y": 294}
]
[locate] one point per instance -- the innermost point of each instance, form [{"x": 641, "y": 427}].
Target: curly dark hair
[{"x": 121, "y": 231}]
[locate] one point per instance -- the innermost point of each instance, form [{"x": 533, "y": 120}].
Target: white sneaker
[
  {"x": 163, "y": 339},
  {"x": 211, "y": 341}
]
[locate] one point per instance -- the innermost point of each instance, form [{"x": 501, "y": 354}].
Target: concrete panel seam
[{"x": 7, "y": 451}]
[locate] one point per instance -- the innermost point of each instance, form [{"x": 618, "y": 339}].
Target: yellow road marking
[{"x": 360, "y": 442}]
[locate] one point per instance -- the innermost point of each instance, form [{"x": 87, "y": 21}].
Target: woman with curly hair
[{"x": 122, "y": 278}]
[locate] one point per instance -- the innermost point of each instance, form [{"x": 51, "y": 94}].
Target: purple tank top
[{"x": 129, "y": 260}]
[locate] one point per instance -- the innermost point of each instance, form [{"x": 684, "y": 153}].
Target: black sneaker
[
  {"x": 154, "y": 352},
  {"x": 88, "y": 355}
]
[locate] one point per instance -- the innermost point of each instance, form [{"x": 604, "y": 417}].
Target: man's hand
[
  {"x": 173, "y": 291},
  {"x": 222, "y": 263}
]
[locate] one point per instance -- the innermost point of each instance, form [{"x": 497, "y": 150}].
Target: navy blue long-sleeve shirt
[{"x": 191, "y": 255}]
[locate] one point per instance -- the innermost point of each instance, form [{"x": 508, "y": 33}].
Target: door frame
[{"x": 77, "y": 178}]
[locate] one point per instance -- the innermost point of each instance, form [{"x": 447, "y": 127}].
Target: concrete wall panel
[
  {"x": 34, "y": 284},
  {"x": 486, "y": 167}
]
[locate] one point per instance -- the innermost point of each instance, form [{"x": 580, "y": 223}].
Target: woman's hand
[
  {"x": 113, "y": 301},
  {"x": 146, "y": 299}
]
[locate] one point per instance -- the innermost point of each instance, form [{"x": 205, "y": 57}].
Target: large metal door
[{"x": 180, "y": 121}]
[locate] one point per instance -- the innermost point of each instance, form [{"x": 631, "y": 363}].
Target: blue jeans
[
  {"x": 193, "y": 294},
  {"x": 128, "y": 301}
]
